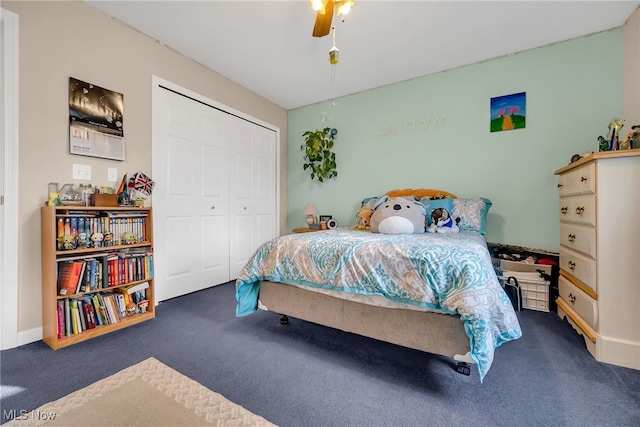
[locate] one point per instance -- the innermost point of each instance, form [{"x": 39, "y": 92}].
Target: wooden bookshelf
[{"x": 130, "y": 263}]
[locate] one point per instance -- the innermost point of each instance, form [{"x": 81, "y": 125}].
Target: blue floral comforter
[{"x": 449, "y": 273}]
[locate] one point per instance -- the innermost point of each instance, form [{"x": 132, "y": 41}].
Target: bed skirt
[{"x": 431, "y": 332}]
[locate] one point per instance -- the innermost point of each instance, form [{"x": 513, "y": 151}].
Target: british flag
[{"x": 143, "y": 183}]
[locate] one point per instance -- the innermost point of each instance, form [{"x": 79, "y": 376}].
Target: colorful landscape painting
[{"x": 508, "y": 112}]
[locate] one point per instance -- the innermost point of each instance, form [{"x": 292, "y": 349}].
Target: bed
[{"x": 432, "y": 292}]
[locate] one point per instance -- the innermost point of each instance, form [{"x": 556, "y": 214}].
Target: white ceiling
[{"x": 267, "y": 47}]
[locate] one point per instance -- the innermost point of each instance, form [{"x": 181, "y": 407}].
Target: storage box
[
  {"x": 505, "y": 265},
  {"x": 104, "y": 200},
  {"x": 534, "y": 290}
]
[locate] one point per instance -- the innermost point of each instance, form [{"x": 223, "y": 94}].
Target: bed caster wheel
[
  {"x": 463, "y": 368},
  {"x": 284, "y": 320}
]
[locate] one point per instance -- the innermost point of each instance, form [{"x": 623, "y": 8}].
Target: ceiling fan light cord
[{"x": 333, "y": 74}]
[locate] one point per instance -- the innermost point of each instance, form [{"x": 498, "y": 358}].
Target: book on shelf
[
  {"x": 86, "y": 276},
  {"x": 137, "y": 287},
  {"x": 93, "y": 274},
  {"x": 98, "y": 307},
  {"x": 81, "y": 316},
  {"x": 69, "y": 276},
  {"x": 110, "y": 308},
  {"x": 121, "y": 305},
  {"x": 91, "y": 281},
  {"x": 67, "y": 317},
  {"x": 61, "y": 314},
  {"x": 126, "y": 214},
  {"x": 75, "y": 322},
  {"x": 89, "y": 314}
]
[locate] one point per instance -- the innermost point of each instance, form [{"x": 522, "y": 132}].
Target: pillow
[
  {"x": 472, "y": 214},
  {"x": 398, "y": 215},
  {"x": 421, "y": 193},
  {"x": 430, "y": 205},
  {"x": 369, "y": 202}
]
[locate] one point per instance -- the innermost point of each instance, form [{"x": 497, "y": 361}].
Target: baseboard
[
  {"x": 619, "y": 352},
  {"x": 29, "y": 336}
]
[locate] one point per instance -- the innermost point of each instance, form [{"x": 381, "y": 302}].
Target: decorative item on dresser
[{"x": 599, "y": 292}]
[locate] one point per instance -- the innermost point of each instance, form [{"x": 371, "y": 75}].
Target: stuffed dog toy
[
  {"x": 364, "y": 218},
  {"x": 398, "y": 215},
  {"x": 441, "y": 222}
]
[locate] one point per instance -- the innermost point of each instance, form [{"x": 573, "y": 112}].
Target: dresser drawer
[
  {"x": 582, "y": 303},
  {"x": 578, "y": 181},
  {"x": 578, "y": 237},
  {"x": 579, "y": 209},
  {"x": 579, "y": 266}
]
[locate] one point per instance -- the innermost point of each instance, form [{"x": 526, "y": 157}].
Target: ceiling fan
[{"x": 324, "y": 14}]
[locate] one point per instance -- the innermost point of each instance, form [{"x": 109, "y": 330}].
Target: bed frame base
[{"x": 426, "y": 331}]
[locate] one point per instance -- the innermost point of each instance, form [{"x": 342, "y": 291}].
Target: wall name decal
[{"x": 415, "y": 126}]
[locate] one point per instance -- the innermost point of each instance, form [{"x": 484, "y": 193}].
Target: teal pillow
[
  {"x": 369, "y": 202},
  {"x": 472, "y": 214},
  {"x": 430, "y": 205}
]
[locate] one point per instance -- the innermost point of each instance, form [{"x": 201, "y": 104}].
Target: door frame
[
  {"x": 160, "y": 84},
  {"x": 9, "y": 182}
]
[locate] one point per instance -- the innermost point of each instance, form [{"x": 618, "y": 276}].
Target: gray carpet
[{"x": 308, "y": 375}]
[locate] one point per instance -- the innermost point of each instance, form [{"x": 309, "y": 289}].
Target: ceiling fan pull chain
[
  {"x": 334, "y": 52},
  {"x": 334, "y": 57}
]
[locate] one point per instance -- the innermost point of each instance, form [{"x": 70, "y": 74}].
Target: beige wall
[
  {"x": 631, "y": 35},
  {"x": 58, "y": 40}
]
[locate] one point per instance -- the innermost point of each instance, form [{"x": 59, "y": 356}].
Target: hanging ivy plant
[{"x": 319, "y": 159}]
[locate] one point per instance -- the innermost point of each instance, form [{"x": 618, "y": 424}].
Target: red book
[
  {"x": 69, "y": 274},
  {"x": 88, "y": 316},
  {"x": 60, "y": 319}
]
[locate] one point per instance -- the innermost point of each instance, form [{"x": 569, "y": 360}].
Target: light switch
[
  {"x": 112, "y": 174},
  {"x": 82, "y": 172}
]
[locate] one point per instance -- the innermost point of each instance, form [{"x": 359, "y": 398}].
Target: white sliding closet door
[
  {"x": 191, "y": 202},
  {"x": 215, "y": 199},
  {"x": 252, "y": 196}
]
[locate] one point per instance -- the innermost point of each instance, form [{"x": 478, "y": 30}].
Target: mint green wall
[{"x": 573, "y": 88}]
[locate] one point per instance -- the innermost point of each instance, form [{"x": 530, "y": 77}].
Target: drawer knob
[
  {"x": 572, "y": 265},
  {"x": 572, "y": 299},
  {"x": 563, "y": 210},
  {"x": 583, "y": 179},
  {"x": 579, "y": 210},
  {"x": 559, "y": 185},
  {"x": 571, "y": 237}
]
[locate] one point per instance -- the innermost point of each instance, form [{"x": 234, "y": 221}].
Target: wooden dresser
[{"x": 599, "y": 285}]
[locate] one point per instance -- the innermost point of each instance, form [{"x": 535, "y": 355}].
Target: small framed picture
[{"x": 325, "y": 218}]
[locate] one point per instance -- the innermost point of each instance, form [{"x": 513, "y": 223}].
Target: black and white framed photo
[
  {"x": 325, "y": 218},
  {"x": 96, "y": 121}
]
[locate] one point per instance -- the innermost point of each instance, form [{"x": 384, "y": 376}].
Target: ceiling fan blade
[{"x": 323, "y": 22}]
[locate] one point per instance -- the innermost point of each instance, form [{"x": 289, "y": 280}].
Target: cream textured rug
[{"x": 146, "y": 394}]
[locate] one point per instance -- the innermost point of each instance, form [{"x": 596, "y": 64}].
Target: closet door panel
[{"x": 215, "y": 194}]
